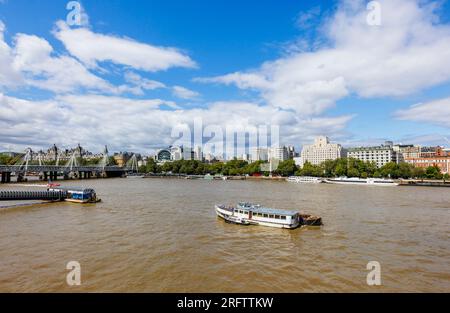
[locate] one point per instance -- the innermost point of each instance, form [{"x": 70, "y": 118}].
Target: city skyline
[{"x": 313, "y": 69}]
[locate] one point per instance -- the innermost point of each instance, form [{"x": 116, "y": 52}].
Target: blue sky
[{"x": 314, "y": 67}]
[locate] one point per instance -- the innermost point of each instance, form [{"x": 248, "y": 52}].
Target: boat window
[
  {"x": 277, "y": 216},
  {"x": 265, "y": 215},
  {"x": 271, "y": 216},
  {"x": 283, "y": 217}
]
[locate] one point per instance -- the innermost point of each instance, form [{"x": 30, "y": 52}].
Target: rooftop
[{"x": 259, "y": 209}]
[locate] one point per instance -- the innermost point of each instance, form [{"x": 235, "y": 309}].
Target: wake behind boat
[
  {"x": 362, "y": 181},
  {"x": 255, "y": 214}
]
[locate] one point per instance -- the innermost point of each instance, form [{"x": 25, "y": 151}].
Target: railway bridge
[{"x": 72, "y": 169}]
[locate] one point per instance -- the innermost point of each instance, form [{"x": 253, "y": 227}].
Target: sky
[{"x": 131, "y": 72}]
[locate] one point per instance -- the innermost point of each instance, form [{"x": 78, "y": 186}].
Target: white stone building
[
  {"x": 381, "y": 155},
  {"x": 320, "y": 151}
]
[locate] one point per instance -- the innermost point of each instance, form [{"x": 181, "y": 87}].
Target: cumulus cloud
[
  {"x": 435, "y": 112},
  {"x": 9, "y": 76},
  {"x": 91, "y": 48},
  {"x": 407, "y": 53},
  {"x": 138, "y": 125},
  {"x": 32, "y": 61},
  {"x": 184, "y": 93},
  {"x": 34, "y": 57}
]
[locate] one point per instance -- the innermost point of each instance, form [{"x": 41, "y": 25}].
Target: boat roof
[
  {"x": 73, "y": 189},
  {"x": 259, "y": 209}
]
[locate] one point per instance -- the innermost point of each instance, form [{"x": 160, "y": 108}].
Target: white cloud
[
  {"x": 91, "y": 48},
  {"x": 184, "y": 93},
  {"x": 138, "y": 84},
  {"x": 305, "y": 18},
  {"x": 435, "y": 112},
  {"x": 33, "y": 62},
  {"x": 139, "y": 125},
  {"x": 33, "y": 56},
  {"x": 407, "y": 53},
  {"x": 9, "y": 76}
]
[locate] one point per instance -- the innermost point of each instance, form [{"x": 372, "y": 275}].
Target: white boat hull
[
  {"x": 386, "y": 184},
  {"x": 225, "y": 214}
]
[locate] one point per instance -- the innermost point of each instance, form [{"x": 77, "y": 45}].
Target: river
[{"x": 162, "y": 235}]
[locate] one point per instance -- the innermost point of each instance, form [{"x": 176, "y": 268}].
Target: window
[
  {"x": 283, "y": 217},
  {"x": 271, "y": 216},
  {"x": 277, "y": 217},
  {"x": 265, "y": 215}
]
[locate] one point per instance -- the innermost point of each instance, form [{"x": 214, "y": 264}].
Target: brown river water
[{"x": 162, "y": 235}]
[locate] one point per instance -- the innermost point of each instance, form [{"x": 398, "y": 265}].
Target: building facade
[
  {"x": 278, "y": 153},
  {"x": 443, "y": 162},
  {"x": 198, "y": 154},
  {"x": 321, "y": 151},
  {"x": 380, "y": 155},
  {"x": 406, "y": 152},
  {"x": 259, "y": 154},
  {"x": 163, "y": 155}
]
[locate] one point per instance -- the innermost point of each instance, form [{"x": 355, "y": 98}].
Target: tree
[
  {"x": 390, "y": 170},
  {"x": 341, "y": 167},
  {"x": 311, "y": 170},
  {"x": 417, "y": 172},
  {"x": 353, "y": 172},
  {"x": 329, "y": 167},
  {"x": 151, "y": 166},
  {"x": 433, "y": 172},
  {"x": 5, "y": 159},
  {"x": 286, "y": 168},
  {"x": 405, "y": 170}
]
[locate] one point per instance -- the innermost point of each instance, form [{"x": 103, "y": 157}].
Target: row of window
[{"x": 275, "y": 216}]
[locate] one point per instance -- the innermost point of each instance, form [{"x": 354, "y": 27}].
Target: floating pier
[
  {"x": 46, "y": 195},
  {"x": 77, "y": 195}
]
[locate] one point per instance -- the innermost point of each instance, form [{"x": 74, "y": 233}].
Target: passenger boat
[
  {"x": 248, "y": 214},
  {"x": 362, "y": 181},
  {"x": 135, "y": 176},
  {"x": 79, "y": 195},
  {"x": 305, "y": 179}
]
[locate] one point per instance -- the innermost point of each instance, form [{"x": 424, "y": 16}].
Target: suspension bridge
[{"x": 71, "y": 170}]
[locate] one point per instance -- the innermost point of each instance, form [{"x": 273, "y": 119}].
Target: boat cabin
[
  {"x": 79, "y": 195},
  {"x": 263, "y": 215}
]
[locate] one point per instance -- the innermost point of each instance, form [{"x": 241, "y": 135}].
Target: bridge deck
[{"x": 61, "y": 169}]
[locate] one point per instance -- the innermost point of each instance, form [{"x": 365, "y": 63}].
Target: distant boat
[
  {"x": 362, "y": 181},
  {"x": 78, "y": 195},
  {"x": 135, "y": 176},
  {"x": 305, "y": 179}
]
